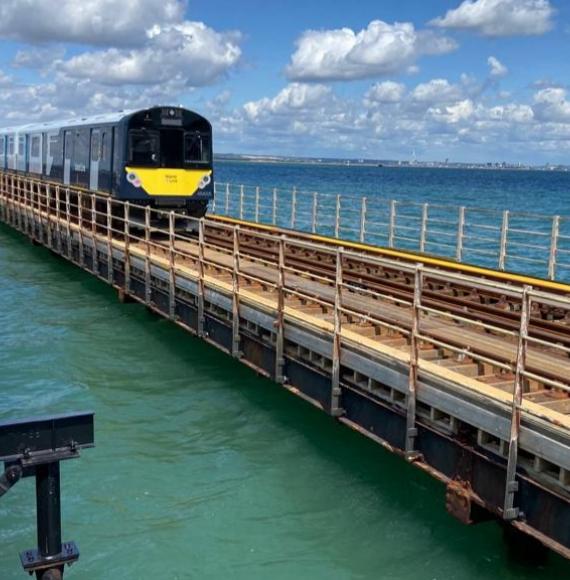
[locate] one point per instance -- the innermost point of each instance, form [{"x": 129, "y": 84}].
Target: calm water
[
  {"x": 202, "y": 469},
  {"x": 533, "y": 191}
]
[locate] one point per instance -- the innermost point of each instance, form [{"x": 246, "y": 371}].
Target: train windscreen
[{"x": 169, "y": 148}]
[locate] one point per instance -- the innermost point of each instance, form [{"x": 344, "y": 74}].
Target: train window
[
  {"x": 196, "y": 148},
  {"x": 35, "y": 148},
  {"x": 95, "y": 146},
  {"x": 104, "y": 146},
  {"x": 144, "y": 147},
  {"x": 10, "y": 145},
  {"x": 2, "y": 145},
  {"x": 21, "y": 141},
  {"x": 68, "y": 144},
  {"x": 81, "y": 151}
]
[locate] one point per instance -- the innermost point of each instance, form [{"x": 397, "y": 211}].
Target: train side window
[
  {"x": 10, "y": 145},
  {"x": 81, "y": 151},
  {"x": 21, "y": 142},
  {"x": 104, "y": 146},
  {"x": 144, "y": 148},
  {"x": 35, "y": 147},
  {"x": 95, "y": 146},
  {"x": 196, "y": 148},
  {"x": 68, "y": 144}
]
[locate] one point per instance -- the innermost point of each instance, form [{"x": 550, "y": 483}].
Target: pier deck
[{"x": 470, "y": 386}]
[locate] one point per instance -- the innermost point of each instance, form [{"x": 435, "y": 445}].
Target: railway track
[{"x": 548, "y": 322}]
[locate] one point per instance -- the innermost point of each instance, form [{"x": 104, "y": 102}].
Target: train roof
[{"x": 102, "y": 119}]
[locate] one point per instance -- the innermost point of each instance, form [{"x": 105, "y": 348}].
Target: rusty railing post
[
  {"x": 314, "y": 212},
  {"x": 94, "y": 256},
  {"x": 110, "y": 276},
  {"x": 392, "y": 224},
  {"x": 235, "y": 294},
  {"x": 553, "y": 247},
  {"x": 201, "y": 269},
  {"x": 460, "y": 234},
  {"x": 227, "y": 207},
  {"x": 510, "y": 512},
  {"x": 172, "y": 265},
  {"x": 69, "y": 245},
  {"x": 80, "y": 228},
  {"x": 49, "y": 216},
  {"x": 423, "y": 227},
  {"x": 147, "y": 272},
  {"x": 279, "y": 323},
  {"x": 274, "y": 207},
  {"x": 293, "y": 207},
  {"x": 335, "y": 409},
  {"x": 58, "y": 234},
  {"x": 213, "y": 210},
  {"x": 127, "y": 236},
  {"x": 337, "y": 217},
  {"x": 411, "y": 428},
  {"x": 257, "y": 204},
  {"x": 362, "y": 229},
  {"x": 504, "y": 240}
]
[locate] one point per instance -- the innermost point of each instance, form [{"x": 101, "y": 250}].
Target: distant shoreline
[{"x": 388, "y": 164}]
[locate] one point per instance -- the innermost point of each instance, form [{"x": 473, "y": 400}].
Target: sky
[{"x": 472, "y": 80}]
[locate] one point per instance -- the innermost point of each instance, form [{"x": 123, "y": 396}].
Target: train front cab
[{"x": 168, "y": 153}]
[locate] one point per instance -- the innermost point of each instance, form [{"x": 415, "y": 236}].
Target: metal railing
[
  {"x": 527, "y": 243},
  {"x": 56, "y": 214}
]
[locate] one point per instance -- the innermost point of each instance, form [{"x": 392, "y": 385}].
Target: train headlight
[
  {"x": 133, "y": 178},
  {"x": 206, "y": 180}
]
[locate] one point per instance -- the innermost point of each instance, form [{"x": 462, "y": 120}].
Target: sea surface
[
  {"x": 202, "y": 469},
  {"x": 546, "y": 192}
]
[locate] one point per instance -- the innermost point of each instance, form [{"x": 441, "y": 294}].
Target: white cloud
[
  {"x": 98, "y": 22},
  {"x": 38, "y": 58},
  {"x": 295, "y": 99},
  {"x": 191, "y": 53},
  {"x": 552, "y": 105},
  {"x": 438, "y": 91},
  {"x": 385, "y": 92},
  {"x": 500, "y": 17},
  {"x": 452, "y": 114},
  {"x": 498, "y": 69},
  {"x": 379, "y": 49},
  {"x": 5, "y": 80}
]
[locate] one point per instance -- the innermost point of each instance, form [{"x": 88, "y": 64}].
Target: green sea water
[{"x": 202, "y": 469}]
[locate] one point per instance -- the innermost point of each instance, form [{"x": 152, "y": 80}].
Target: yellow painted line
[{"x": 415, "y": 257}]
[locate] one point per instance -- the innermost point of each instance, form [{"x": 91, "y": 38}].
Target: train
[{"x": 159, "y": 157}]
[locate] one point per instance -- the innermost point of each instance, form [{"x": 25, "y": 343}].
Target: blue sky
[{"x": 465, "y": 80}]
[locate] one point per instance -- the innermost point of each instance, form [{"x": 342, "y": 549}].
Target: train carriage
[{"x": 160, "y": 156}]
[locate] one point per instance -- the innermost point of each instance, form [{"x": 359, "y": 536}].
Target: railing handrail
[{"x": 536, "y": 243}]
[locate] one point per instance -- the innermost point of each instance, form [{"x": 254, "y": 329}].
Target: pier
[{"x": 461, "y": 370}]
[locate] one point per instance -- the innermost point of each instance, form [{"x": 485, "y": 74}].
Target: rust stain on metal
[{"x": 458, "y": 501}]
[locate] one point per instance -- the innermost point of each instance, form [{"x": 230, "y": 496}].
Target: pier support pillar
[{"x": 123, "y": 297}]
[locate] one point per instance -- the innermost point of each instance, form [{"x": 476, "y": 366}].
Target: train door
[
  {"x": 104, "y": 181},
  {"x": 95, "y": 159},
  {"x": 45, "y": 147},
  {"x": 67, "y": 153}
]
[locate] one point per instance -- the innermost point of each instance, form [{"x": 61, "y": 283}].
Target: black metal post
[
  {"x": 48, "y": 503},
  {"x": 34, "y": 448}
]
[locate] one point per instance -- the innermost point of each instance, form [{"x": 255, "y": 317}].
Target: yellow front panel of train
[{"x": 173, "y": 182}]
